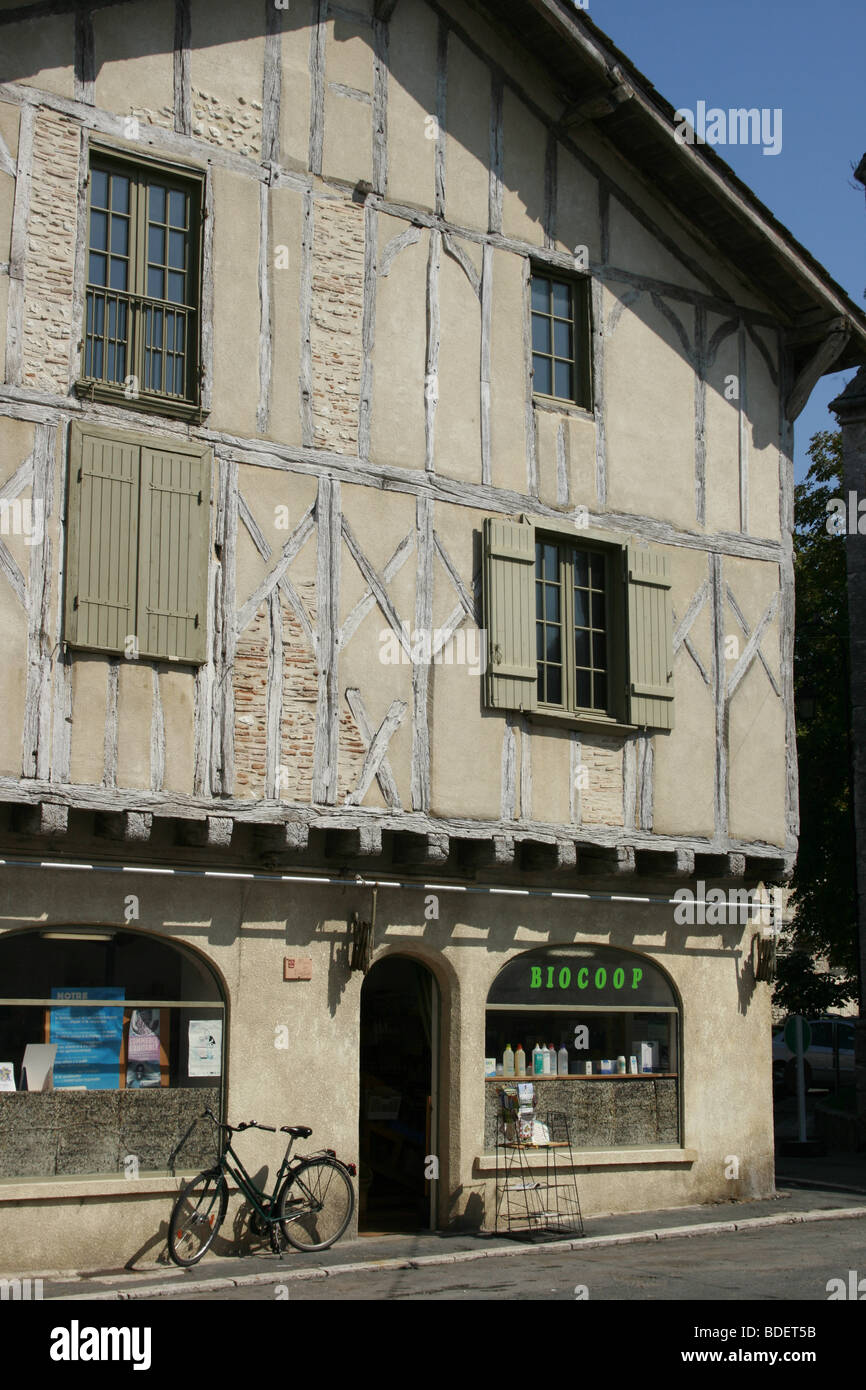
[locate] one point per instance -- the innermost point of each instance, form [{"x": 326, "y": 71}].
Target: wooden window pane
[
  {"x": 98, "y": 230},
  {"x": 541, "y": 294},
  {"x": 99, "y": 189},
  {"x": 561, "y": 295},
  {"x": 581, "y": 608},
  {"x": 540, "y": 333},
  {"x": 562, "y": 337},
  {"x": 156, "y": 203},
  {"x": 543, "y": 376},
  {"x": 119, "y": 193},
  {"x": 562, "y": 381},
  {"x": 177, "y": 212}
]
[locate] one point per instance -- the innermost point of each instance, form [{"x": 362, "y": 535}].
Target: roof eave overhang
[{"x": 640, "y": 124}]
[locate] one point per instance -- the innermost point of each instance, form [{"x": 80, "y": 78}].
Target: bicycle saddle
[{"x": 299, "y": 1131}]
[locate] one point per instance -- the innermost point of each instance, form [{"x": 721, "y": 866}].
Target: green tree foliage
[{"x": 823, "y": 883}]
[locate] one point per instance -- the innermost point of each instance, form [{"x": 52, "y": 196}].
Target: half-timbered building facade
[{"x": 396, "y": 599}]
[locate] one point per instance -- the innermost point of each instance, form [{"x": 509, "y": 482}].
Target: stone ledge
[
  {"x": 81, "y": 1187},
  {"x": 594, "y": 1158}
]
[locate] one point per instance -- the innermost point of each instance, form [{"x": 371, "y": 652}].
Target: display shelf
[
  {"x": 524, "y": 1202},
  {"x": 589, "y": 1076}
]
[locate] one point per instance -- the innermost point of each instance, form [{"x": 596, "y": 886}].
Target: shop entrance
[{"x": 399, "y": 1027}]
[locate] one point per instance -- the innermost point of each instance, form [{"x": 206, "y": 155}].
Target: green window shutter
[
  {"x": 511, "y": 678},
  {"x": 175, "y": 535},
  {"x": 103, "y": 541},
  {"x": 650, "y": 639}
]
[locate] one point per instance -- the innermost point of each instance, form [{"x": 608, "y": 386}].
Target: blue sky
[{"x": 808, "y": 59}]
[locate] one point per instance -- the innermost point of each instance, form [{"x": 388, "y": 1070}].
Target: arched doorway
[{"x": 397, "y": 1117}]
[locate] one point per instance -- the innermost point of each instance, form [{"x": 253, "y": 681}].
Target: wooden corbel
[{"x": 837, "y": 334}]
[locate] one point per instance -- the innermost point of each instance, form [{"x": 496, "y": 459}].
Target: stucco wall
[{"x": 244, "y": 931}]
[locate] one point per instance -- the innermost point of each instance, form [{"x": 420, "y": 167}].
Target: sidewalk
[{"x": 806, "y": 1202}]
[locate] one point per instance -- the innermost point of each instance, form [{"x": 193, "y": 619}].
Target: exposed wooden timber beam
[
  {"x": 44, "y": 819},
  {"x": 421, "y": 849},
  {"x": 210, "y": 833},
  {"x": 820, "y": 362},
  {"x": 133, "y": 827},
  {"x": 354, "y": 844},
  {"x": 577, "y": 113}
]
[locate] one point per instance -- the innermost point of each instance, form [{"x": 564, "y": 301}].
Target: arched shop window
[
  {"x": 111, "y": 1044},
  {"x": 610, "y": 1022}
]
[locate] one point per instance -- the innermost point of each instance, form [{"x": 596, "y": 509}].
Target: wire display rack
[{"x": 531, "y": 1199}]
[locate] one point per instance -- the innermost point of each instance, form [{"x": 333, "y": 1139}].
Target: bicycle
[{"x": 312, "y": 1202}]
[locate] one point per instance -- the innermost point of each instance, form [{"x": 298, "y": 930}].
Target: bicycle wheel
[
  {"x": 316, "y": 1204},
  {"x": 196, "y": 1217}
]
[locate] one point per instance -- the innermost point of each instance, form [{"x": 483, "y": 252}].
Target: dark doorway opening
[{"x": 399, "y": 1007}]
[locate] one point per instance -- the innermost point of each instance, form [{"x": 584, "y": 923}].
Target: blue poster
[{"x": 88, "y": 1040}]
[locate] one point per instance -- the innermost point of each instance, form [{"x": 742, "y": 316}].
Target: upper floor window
[
  {"x": 561, "y": 339},
  {"x": 580, "y": 630},
  {"x": 141, "y": 327},
  {"x": 571, "y": 626}
]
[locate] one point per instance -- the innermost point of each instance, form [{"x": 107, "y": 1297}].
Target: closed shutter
[
  {"x": 172, "y": 582},
  {"x": 650, "y": 639},
  {"x": 511, "y": 679},
  {"x": 103, "y": 541}
]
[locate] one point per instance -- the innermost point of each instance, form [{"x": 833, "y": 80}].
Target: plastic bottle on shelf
[
  {"x": 537, "y": 1061},
  {"x": 562, "y": 1067},
  {"x": 545, "y": 1065},
  {"x": 553, "y": 1062},
  {"x": 520, "y": 1060},
  {"x": 508, "y": 1061}
]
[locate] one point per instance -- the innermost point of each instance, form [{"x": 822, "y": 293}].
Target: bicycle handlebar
[{"x": 247, "y": 1124}]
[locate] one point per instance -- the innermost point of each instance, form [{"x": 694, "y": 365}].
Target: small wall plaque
[{"x": 297, "y": 967}]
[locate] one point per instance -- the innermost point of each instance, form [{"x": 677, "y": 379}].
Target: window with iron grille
[
  {"x": 561, "y": 339},
  {"x": 141, "y": 323}
]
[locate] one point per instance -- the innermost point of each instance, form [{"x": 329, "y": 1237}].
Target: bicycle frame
[
  {"x": 264, "y": 1206},
  {"x": 247, "y": 1185}
]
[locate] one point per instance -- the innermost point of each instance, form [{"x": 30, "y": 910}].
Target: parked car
[{"x": 819, "y": 1063}]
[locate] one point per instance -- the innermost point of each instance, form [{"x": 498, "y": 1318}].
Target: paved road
[{"x": 774, "y": 1264}]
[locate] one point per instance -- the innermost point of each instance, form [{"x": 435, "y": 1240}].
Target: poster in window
[
  {"x": 88, "y": 1039},
  {"x": 205, "y": 1046},
  {"x": 142, "y": 1049}
]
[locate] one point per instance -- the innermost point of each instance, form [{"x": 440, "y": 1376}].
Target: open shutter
[
  {"x": 511, "y": 679},
  {"x": 650, "y": 639},
  {"x": 175, "y": 533},
  {"x": 103, "y": 541}
]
